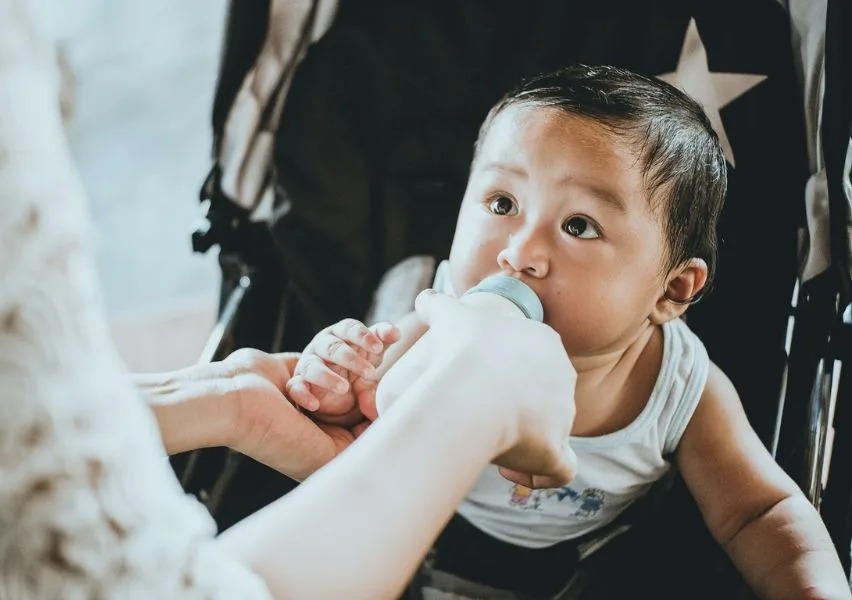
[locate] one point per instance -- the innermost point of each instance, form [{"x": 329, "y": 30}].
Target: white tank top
[{"x": 614, "y": 469}]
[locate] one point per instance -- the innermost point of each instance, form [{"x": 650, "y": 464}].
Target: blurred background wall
[{"x": 145, "y": 72}]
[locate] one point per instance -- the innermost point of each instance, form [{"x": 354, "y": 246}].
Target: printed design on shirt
[
  {"x": 525, "y": 498},
  {"x": 588, "y": 503}
]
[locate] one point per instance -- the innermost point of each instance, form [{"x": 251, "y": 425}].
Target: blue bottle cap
[{"x": 514, "y": 290}]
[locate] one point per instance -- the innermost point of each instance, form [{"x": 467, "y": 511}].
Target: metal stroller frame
[{"x": 254, "y": 283}]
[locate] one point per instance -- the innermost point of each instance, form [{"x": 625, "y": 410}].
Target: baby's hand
[{"x": 337, "y": 371}]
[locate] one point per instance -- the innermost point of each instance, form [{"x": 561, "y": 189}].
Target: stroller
[{"x": 342, "y": 139}]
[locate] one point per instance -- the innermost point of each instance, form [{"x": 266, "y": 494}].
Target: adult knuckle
[{"x": 247, "y": 358}]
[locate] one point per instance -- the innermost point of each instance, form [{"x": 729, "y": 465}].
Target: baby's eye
[
  {"x": 581, "y": 227},
  {"x": 503, "y": 206}
]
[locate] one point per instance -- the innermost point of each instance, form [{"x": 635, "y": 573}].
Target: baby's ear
[{"x": 683, "y": 284}]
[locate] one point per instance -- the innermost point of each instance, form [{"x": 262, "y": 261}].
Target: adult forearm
[
  {"x": 346, "y": 547},
  {"x": 805, "y": 565},
  {"x": 191, "y": 412}
]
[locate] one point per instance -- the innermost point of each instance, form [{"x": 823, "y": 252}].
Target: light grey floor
[{"x": 145, "y": 73}]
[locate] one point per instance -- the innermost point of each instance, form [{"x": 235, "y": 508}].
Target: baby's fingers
[
  {"x": 320, "y": 375},
  {"x": 298, "y": 391},
  {"x": 337, "y": 351},
  {"x": 355, "y": 332},
  {"x": 311, "y": 370}
]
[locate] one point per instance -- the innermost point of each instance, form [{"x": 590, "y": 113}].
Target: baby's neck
[
  {"x": 614, "y": 387},
  {"x": 600, "y": 366}
]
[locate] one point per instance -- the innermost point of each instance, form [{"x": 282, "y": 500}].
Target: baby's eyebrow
[
  {"x": 506, "y": 167},
  {"x": 597, "y": 192},
  {"x": 606, "y": 196}
]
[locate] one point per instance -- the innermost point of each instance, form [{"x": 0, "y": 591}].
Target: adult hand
[
  {"x": 527, "y": 383},
  {"x": 459, "y": 412},
  {"x": 239, "y": 403}
]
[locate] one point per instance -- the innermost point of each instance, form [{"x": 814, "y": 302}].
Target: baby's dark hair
[{"x": 682, "y": 159}]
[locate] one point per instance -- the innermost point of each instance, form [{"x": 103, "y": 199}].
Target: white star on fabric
[{"x": 712, "y": 90}]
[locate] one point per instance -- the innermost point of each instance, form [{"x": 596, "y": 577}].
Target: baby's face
[{"x": 559, "y": 202}]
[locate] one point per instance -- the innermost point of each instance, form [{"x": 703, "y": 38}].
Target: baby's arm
[{"x": 753, "y": 509}]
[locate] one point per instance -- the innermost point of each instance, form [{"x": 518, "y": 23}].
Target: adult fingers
[{"x": 433, "y": 307}]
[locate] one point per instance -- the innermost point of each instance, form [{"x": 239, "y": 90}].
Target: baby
[{"x": 601, "y": 190}]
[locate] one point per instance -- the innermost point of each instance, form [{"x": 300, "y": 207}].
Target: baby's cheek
[{"x": 466, "y": 273}]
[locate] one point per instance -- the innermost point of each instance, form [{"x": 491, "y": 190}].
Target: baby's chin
[{"x": 565, "y": 336}]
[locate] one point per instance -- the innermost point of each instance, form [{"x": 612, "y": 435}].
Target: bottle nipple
[{"x": 514, "y": 290}]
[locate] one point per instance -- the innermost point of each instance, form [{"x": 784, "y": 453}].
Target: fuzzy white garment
[{"x": 88, "y": 507}]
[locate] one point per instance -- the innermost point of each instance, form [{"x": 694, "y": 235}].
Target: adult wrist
[{"x": 193, "y": 410}]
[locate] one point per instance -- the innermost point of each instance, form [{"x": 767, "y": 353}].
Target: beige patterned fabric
[{"x": 88, "y": 506}]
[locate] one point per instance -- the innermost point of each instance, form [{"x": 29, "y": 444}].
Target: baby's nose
[{"x": 525, "y": 253}]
